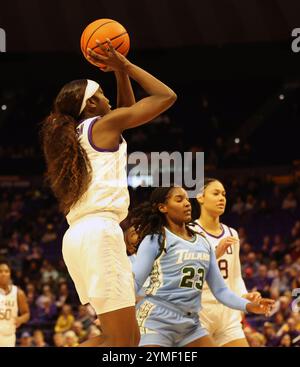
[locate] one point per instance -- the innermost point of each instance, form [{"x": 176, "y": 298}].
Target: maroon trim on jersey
[
  {"x": 223, "y": 230},
  {"x": 230, "y": 231},
  {"x": 93, "y": 145}
]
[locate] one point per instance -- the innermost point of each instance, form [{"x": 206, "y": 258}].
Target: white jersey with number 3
[{"x": 8, "y": 314}]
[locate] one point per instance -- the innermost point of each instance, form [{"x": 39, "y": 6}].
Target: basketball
[{"x": 100, "y": 30}]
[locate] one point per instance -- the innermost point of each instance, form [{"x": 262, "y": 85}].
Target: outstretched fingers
[
  {"x": 94, "y": 55},
  {"x": 102, "y": 47},
  {"x": 266, "y": 304},
  {"x": 267, "y": 301},
  {"x": 111, "y": 47}
]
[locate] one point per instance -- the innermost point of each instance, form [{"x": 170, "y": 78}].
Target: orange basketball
[{"x": 100, "y": 30}]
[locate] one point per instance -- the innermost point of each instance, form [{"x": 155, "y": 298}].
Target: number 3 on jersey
[{"x": 188, "y": 280}]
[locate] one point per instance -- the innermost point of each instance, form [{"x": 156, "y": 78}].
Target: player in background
[
  {"x": 14, "y": 308},
  {"x": 223, "y": 323},
  {"x": 178, "y": 261},
  {"x": 86, "y": 160}
]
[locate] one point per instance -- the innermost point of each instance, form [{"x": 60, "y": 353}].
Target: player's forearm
[
  {"x": 24, "y": 318},
  {"x": 230, "y": 299},
  {"x": 125, "y": 96},
  {"x": 220, "y": 290},
  {"x": 149, "y": 83},
  {"x": 222, "y": 293}
]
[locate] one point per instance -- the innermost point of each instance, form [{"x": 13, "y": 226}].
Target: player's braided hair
[
  {"x": 68, "y": 167},
  {"x": 147, "y": 219}
]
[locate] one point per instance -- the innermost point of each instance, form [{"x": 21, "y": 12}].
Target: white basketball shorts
[
  {"x": 95, "y": 254},
  {"x": 8, "y": 340},
  {"x": 223, "y": 323}
]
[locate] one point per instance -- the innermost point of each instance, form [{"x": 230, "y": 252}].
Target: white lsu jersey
[
  {"x": 8, "y": 311},
  {"x": 108, "y": 191},
  {"x": 229, "y": 265}
]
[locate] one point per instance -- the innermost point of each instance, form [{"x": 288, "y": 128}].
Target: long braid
[
  {"x": 68, "y": 167},
  {"x": 148, "y": 220}
]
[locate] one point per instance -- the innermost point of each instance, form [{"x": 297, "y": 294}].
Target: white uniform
[
  {"x": 223, "y": 323},
  {"x": 8, "y": 314},
  {"x": 93, "y": 247}
]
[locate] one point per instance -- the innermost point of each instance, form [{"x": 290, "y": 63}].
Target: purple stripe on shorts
[{"x": 91, "y": 142}]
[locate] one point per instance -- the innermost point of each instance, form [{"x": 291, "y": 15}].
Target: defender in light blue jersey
[{"x": 178, "y": 261}]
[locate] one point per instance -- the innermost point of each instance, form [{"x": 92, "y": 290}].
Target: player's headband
[{"x": 90, "y": 90}]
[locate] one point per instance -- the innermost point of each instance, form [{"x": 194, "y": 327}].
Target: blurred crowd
[
  {"x": 267, "y": 217},
  {"x": 149, "y": 138},
  {"x": 273, "y": 269},
  {"x": 17, "y": 151}
]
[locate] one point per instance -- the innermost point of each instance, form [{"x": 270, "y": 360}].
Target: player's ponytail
[{"x": 68, "y": 167}]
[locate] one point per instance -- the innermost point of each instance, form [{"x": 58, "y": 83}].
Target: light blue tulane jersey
[
  {"x": 141, "y": 291},
  {"x": 177, "y": 273}
]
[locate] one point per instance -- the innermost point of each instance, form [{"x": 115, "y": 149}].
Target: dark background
[
  {"x": 228, "y": 62},
  {"x": 43, "y": 26}
]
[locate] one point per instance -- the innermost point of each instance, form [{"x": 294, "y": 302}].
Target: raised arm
[
  {"x": 125, "y": 95},
  {"x": 161, "y": 97}
]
